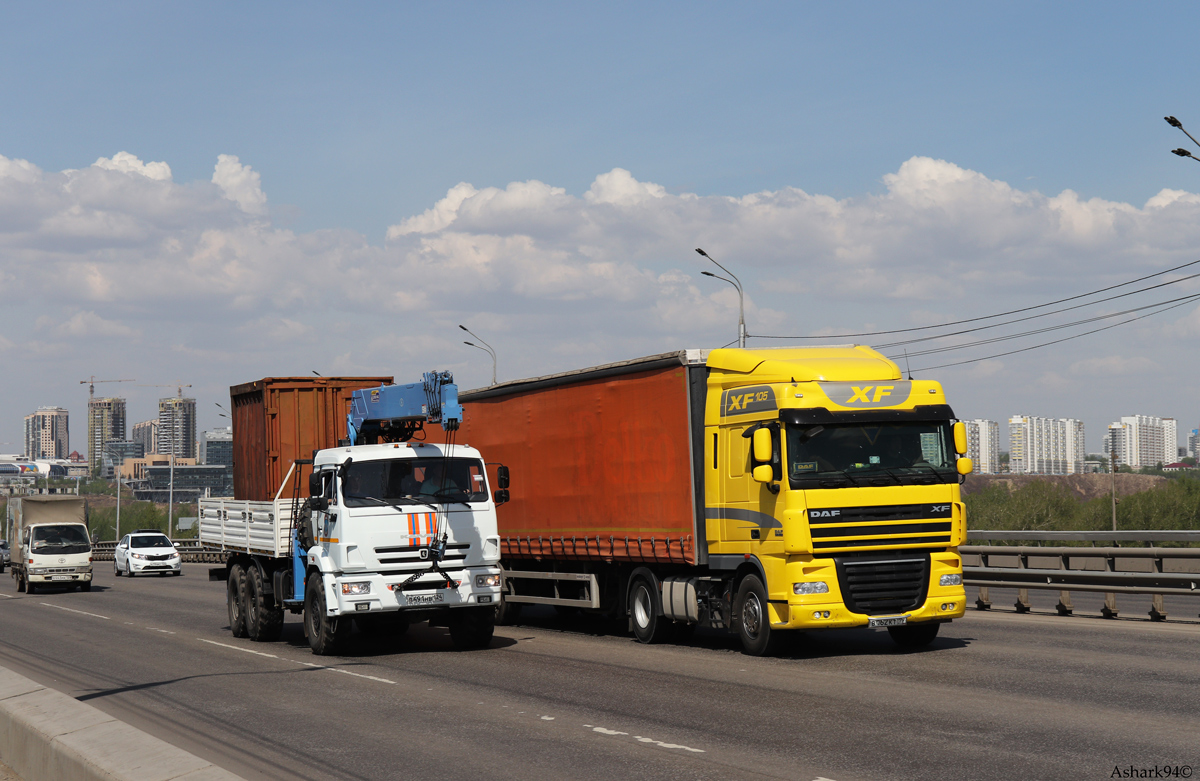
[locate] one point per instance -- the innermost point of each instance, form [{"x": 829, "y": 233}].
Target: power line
[
  {"x": 1014, "y": 311},
  {"x": 1043, "y": 314},
  {"x": 965, "y": 345},
  {"x": 1056, "y": 341}
]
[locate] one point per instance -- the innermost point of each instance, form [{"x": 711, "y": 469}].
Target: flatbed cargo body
[{"x": 806, "y": 488}]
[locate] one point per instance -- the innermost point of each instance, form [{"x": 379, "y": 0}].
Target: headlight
[
  {"x": 485, "y": 581},
  {"x": 36, "y": 570},
  {"x": 355, "y": 589},
  {"x": 814, "y": 587},
  {"x": 137, "y": 555},
  {"x": 950, "y": 580}
]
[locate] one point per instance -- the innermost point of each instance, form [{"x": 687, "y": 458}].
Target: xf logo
[
  {"x": 863, "y": 394},
  {"x": 940, "y": 508}
]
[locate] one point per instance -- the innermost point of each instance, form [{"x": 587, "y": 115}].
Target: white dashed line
[
  {"x": 7, "y": 596},
  {"x": 72, "y": 610},
  {"x": 547, "y": 718},
  {"x": 346, "y": 672},
  {"x": 164, "y": 631},
  {"x": 640, "y": 739},
  {"x": 236, "y": 648}
]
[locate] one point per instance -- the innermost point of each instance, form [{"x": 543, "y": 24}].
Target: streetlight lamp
[
  {"x": 1173, "y": 122},
  {"x": 737, "y": 283},
  {"x": 487, "y": 348}
]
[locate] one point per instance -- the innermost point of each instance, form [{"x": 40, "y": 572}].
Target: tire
[
  {"x": 264, "y": 621},
  {"x": 914, "y": 635},
  {"x": 29, "y": 587},
  {"x": 85, "y": 586},
  {"x": 177, "y": 574},
  {"x": 128, "y": 569},
  {"x": 471, "y": 628},
  {"x": 116, "y": 569},
  {"x": 753, "y": 620},
  {"x": 20, "y": 582},
  {"x": 235, "y": 599},
  {"x": 325, "y": 634},
  {"x": 648, "y": 626},
  {"x": 507, "y": 613}
]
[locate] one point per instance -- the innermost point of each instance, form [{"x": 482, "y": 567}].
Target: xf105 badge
[{"x": 747, "y": 401}]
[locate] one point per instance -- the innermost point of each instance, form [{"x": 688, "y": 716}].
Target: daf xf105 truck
[{"x": 757, "y": 491}]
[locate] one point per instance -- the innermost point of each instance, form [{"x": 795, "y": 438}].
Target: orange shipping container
[
  {"x": 603, "y": 461},
  {"x": 280, "y": 419}
]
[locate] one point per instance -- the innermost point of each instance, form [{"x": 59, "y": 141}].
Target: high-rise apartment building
[
  {"x": 983, "y": 445},
  {"x": 1143, "y": 441},
  {"x": 46, "y": 433},
  {"x": 1046, "y": 446},
  {"x": 177, "y": 427},
  {"x": 1193, "y": 443},
  {"x": 146, "y": 432},
  {"x": 106, "y": 421}
]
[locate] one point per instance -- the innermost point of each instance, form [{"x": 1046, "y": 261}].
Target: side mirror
[
  {"x": 315, "y": 488},
  {"x": 319, "y": 503},
  {"x": 965, "y": 466},
  {"x": 501, "y": 496},
  {"x": 763, "y": 473},
  {"x": 762, "y": 447},
  {"x": 502, "y": 477},
  {"x": 960, "y": 438}
]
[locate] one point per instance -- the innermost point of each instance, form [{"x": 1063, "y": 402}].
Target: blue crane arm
[{"x": 396, "y": 412}]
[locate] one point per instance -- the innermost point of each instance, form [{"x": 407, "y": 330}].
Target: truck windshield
[
  {"x": 414, "y": 481},
  {"x": 837, "y": 455},
  {"x": 64, "y": 538}
]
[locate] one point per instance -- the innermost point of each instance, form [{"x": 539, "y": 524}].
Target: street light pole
[
  {"x": 737, "y": 283},
  {"x": 487, "y": 348},
  {"x": 1173, "y": 122}
]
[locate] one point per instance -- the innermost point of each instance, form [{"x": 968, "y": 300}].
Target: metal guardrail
[
  {"x": 1112, "y": 569},
  {"x": 189, "y": 550}
]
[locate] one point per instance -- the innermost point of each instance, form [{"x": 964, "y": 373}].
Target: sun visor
[{"x": 810, "y": 416}]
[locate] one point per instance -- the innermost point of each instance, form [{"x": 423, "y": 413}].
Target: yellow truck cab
[{"x": 840, "y": 480}]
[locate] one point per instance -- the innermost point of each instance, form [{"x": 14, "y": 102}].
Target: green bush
[{"x": 138, "y": 515}]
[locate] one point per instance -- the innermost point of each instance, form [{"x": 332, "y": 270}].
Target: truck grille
[
  {"x": 860, "y": 527},
  {"x": 891, "y": 583},
  {"x": 456, "y": 553}
]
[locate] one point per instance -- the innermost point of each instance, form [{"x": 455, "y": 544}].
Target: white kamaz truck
[{"x": 388, "y": 532}]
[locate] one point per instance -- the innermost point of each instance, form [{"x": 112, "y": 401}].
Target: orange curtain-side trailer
[
  {"x": 603, "y": 461},
  {"x": 280, "y": 419}
]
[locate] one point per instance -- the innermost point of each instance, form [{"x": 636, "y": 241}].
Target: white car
[{"x": 146, "y": 551}]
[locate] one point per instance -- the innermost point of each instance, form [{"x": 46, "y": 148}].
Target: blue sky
[
  {"x": 360, "y": 115},
  {"x": 916, "y": 163}
]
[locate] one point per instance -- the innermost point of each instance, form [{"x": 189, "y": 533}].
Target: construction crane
[
  {"x": 179, "y": 386},
  {"x": 91, "y": 383}
]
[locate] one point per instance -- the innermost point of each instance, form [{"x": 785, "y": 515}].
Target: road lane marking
[
  {"x": 164, "y": 631},
  {"x": 236, "y": 648},
  {"x": 640, "y": 739},
  {"x": 7, "y": 596},
  {"x": 72, "y": 610},
  {"x": 346, "y": 672}
]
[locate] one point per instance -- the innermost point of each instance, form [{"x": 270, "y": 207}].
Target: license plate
[
  {"x": 60, "y": 577},
  {"x": 888, "y": 621},
  {"x": 424, "y": 599}
]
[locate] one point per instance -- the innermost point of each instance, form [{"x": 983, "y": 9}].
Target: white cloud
[
  {"x": 129, "y": 164},
  {"x": 240, "y": 183},
  {"x": 210, "y": 287}
]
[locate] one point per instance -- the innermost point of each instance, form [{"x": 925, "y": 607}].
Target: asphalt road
[{"x": 997, "y": 696}]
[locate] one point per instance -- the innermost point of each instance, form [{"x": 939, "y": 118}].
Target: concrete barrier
[{"x": 47, "y": 736}]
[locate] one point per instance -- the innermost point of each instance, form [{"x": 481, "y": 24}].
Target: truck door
[{"x": 735, "y": 480}]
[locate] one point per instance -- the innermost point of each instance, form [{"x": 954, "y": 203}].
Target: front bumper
[
  {"x": 386, "y": 596},
  {"x": 144, "y": 567},
  {"x": 947, "y": 604},
  {"x": 60, "y": 575}
]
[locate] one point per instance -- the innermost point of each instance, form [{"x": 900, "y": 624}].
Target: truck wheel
[
  {"x": 324, "y": 634},
  {"x": 472, "y": 627},
  {"x": 753, "y": 620},
  {"x": 234, "y": 596},
  {"x": 85, "y": 585},
  {"x": 20, "y": 583},
  {"x": 913, "y": 635},
  {"x": 264, "y": 621},
  {"x": 507, "y": 613},
  {"x": 648, "y": 625}
]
